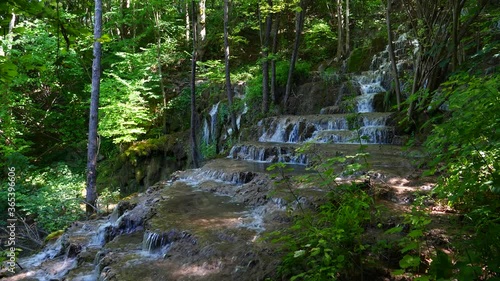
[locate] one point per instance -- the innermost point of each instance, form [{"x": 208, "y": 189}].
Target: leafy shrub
[
  {"x": 327, "y": 244},
  {"x": 51, "y": 196},
  {"x": 324, "y": 245},
  {"x": 319, "y": 40},
  {"x": 465, "y": 149}
]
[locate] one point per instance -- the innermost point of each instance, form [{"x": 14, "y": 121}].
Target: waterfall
[
  {"x": 206, "y": 132},
  {"x": 213, "y": 121},
  {"x": 238, "y": 119}
]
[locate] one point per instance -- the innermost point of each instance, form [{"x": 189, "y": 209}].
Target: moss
[
  {"x": 54, "y": 235},
  {"x": 144, "y": 148},
  {"x": 359, "y": 60}
]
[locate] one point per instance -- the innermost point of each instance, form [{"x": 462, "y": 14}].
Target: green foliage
[
  {"x": 124, "y": 111},
  {"x": 50, "y": 196},
  {"x": 212, "y": 70},
  {"x": 327, "y": 244},
  {"x": 465, "y": 149},
  {"x": 319, "y": 40},
  {"x": 467, "y": 145},
  {"x": 359, "y": 59},
  {"x": 411, "y": 243},
  {"x": 208, "y": 151}
]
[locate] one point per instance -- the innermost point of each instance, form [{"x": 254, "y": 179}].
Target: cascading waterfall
[{"x": 370, "y": 85}]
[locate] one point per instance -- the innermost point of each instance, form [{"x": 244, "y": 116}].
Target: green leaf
[
  {"x": 299, "y": 253},
  {"x": 416, "y": 233},
  {"x": 409, "y": 261},
  {"x": 409, "y": 247}
]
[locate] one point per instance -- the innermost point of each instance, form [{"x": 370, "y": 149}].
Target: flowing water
[{"x": 205, "y": 223}]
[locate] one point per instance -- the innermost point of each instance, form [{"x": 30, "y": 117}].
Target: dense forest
[{"x": 179, "y": 83}]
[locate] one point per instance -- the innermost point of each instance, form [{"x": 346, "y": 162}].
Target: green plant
[
  {"x": 208, "y": 151},
  {"x": 325, "y": 244},
  {"x": 411, "y": 244},
  {"x": 51, "y": 196}
]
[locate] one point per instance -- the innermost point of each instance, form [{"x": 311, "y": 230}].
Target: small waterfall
[
  {"x": 294, "y": 134},
  {"x": 268, "y": 154},
  {"x": 276, "y": 135},
  {"x": 213, "y": 121},
  {"x": 322, "y": 129},
  {"x": 238, "y": 119},
  {"x": 153, "y": 242},
  {"x": 102, "y": 235},
  {"x": 206, "y": 132},
  {"x": 370, "y": 85}
]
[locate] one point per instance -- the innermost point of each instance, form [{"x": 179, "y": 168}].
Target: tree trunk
[
  {"x": 265, "y": 61},
  {"x": 160, "y": 73},
  {"x": 194, "y": 142},
  {"x": 392, "y": 55},
  {"x": 187, "y": 24},
  {"x": 201, "y": 29},
  {"x": 340, "y": 31},
  {"x": 91, "y": 196},
  {"x": 274, "y": 94},
  {"x": 299, "y": 24},
  {"x": 347, "y": 32},
  {"x": 456, "y": 14},
  {"x": 228, "y": 75}
]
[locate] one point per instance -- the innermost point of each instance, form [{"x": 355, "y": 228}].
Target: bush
[
  {"x": 51, "y": 196},
  {"x": 465, "y": 149}
]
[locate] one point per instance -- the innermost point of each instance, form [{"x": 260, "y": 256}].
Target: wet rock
[{"x": 73, "y": 250}]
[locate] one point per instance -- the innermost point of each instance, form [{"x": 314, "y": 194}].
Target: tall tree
[
  {"x": 340, "y": 30},
  {"x": 391, "y": 54},
  {"x": 429, "y": 20},
  {"x": 299, "y": 26},
  {"x": 192, "y": 136},
  {"x": 265, "y": 58},
  {"x": 274, "y": 50},
  {"x": 229, "y": 90},
  {"x": 201, "y": 27},
  {"x": 91, "y": 196}
]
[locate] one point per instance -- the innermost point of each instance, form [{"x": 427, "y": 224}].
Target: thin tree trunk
[
  {"x": 347, "y": 32},
  {"x": 299, "y": 23},
  {"x": 265, "y": 61},
  {"x": 194, "y": 142},
  {"x": 201, "y": 29},
  {"x": 91, "y": 190},
  {"x": 187, "y": 24},
  {"x": 391, "y": 54},
  {"x": 229, "y": 91},
  {"x": 160, "y": 73},
  {"x": 340, "y": 29},
  {"x": 274, "y": 94},
  {"x": 456, "y": 14}
]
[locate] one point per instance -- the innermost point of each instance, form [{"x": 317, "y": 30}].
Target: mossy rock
[
  {"x": 54, "y": 235},
  {"x": 359, "y": 60}
]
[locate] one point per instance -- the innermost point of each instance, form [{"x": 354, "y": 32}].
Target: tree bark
[
  {"x": 194, "y": 142},
  {"x": 187, "y": 24},
  {"x": 392, "y": 55},
  {"x": 156, "y": 15},
  {"x": 91, "y": 190},
  {"x": 228, "y": 74},
  {"x": 340, "y": 31},
  {"x": 299, "y": 24},
  {"x": 201, "y": 29},
  {"x": 265, "y": 61},
  {"x": 347, "y": 31},
  {"x": 274, "y": 94}
]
